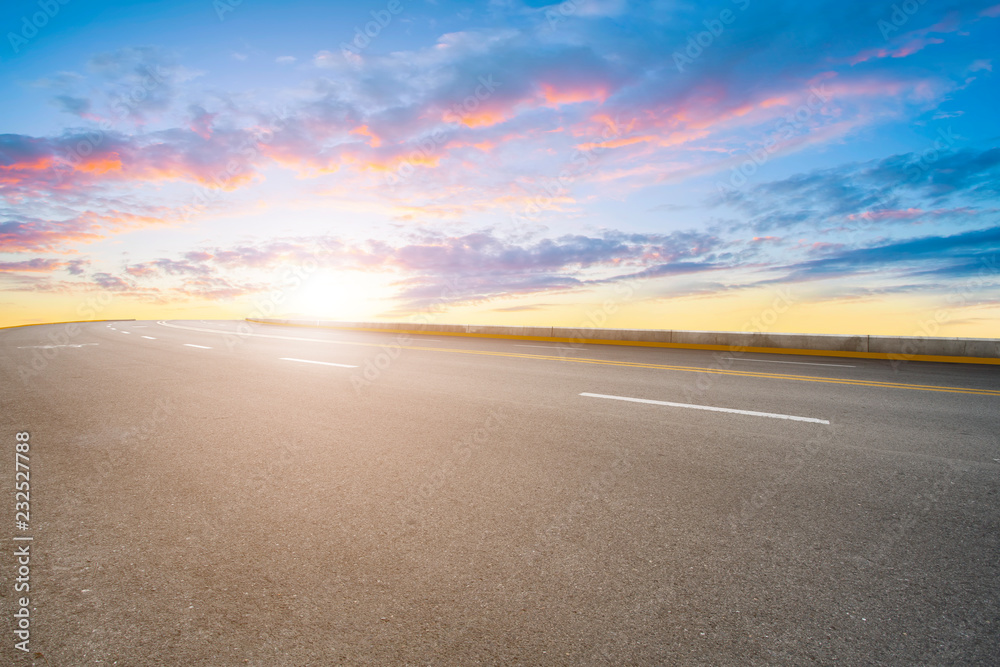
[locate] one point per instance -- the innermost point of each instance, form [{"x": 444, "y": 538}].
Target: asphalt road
[{"x": 199, "y": 497}]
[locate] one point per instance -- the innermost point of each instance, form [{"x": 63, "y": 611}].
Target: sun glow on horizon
[{"x": 342, "y": 295}]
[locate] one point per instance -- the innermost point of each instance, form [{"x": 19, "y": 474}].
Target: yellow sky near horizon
[{"x": 764, "y": 310}]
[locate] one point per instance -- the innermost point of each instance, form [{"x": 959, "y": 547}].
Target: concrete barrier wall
[
  {"x": 945, "y": 347},
  {"x": 893, "y": 347}
]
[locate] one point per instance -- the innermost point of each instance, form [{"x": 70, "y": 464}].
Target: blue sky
[{"x": 647, "y": 165}]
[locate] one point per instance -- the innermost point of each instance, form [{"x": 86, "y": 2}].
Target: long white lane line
[
  {"x": 712, "y": 408},
  {"x": 238, "y": 334},
  {"x": 49, "y": 347},
  {"x": 550, "y": 347},
  {"x": 321, "y": 363},
  {"x": 149, "y": 337},
  {"x": 800, "y": 363},
  {"x": 198, "y": 346}
]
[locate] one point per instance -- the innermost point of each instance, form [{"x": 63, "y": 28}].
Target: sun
[{"x": 341, "y": 295}]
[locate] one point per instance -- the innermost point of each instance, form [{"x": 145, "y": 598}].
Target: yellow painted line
[
  {"x": 891, "y": 356},
  {"x": 688, "y": 369},
  {"x": 720, "y": 371}
]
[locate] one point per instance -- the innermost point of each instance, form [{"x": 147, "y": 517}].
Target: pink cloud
[
  {"x": 556, "y": 95},
  {"x": 888, "y": 214},
  {"x": 33, "y": 165},
  {"x": 909, "y": 48},
  {"x": 373, "y": 140},
  {"x": 37, "y": 265}
]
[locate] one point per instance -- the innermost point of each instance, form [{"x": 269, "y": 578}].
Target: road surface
[{"x": 225, "y": 494}]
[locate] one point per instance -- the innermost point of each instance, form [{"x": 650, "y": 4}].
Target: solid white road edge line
[
  {"x": 800, "y": 363},
  {"x": 239, "y": 334},
  {"x": 198, "y": 346},
  {"x": 49, "y": 347},
  {"x": 708, "y": 407},
  {"x": 256, "y": 335},
  {"x": 321, "y": 363}
]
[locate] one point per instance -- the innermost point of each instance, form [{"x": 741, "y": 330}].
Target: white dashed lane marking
[
  {"x": 321, "y": 363},
  {"x": 712, "y": 408}
]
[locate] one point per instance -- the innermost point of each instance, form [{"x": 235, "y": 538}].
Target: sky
[{"x": 823, "y": 167}]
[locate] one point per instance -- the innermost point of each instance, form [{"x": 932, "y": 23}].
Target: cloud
[
  {"x": 169, "y": 267},
  {"x": 139, "y": 83},
  {"x": 106, "y": 281},
  {"x": 76, "y": 266},
  {"x": 24, "y": 234},
  {"x": 483, "y": 122},
  {"x": 30, "y": 166},
  {"x": 476, "y": 266},
  {"x": 519, "y": 95},
  {"x": 45, "y": 265},
  {"x": 959, "y": 255},
  {"x": 78, "y": 106},
  {"x": 873, "y": 190},
  {"x": 33, "y": 235},
  {"x": 201, "y": 121},
  {"x": 219, "y": 289},
  {"x": 37, "y": 265},
  {"x": 521, "y": 309}
]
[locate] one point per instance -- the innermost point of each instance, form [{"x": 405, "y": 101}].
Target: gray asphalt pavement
[{"x": 297, "y": 496}]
